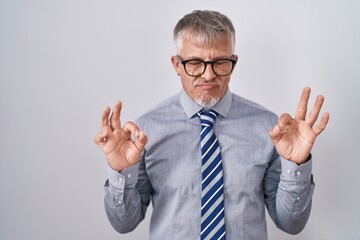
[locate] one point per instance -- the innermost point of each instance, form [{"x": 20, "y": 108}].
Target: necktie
[{"x": 212, "y": 195}]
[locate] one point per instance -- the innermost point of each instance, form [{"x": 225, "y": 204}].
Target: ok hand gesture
[
  {"x": 120, "y": 150},
  {"x": 294, "y": 137}
]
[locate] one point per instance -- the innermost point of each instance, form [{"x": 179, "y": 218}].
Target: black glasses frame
[{"x": 212, "y": 63}]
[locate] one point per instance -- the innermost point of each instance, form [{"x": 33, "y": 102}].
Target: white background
[{"x": 62, "y": 62}]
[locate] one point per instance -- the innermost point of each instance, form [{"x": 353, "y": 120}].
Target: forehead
[{"x": 197, "y": 47}]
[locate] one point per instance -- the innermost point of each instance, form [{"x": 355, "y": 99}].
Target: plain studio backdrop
[{"x": 62, "y": 62}]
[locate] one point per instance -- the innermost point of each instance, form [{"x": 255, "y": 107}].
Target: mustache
[{"x": 200, "y": 81}]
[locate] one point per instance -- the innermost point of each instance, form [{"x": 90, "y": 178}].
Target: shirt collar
[{"x": 191, "y": 108}]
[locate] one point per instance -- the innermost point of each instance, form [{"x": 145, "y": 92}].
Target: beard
[
  {"x": 205, "y": 99},
  {"x": 207, "y": 102}
]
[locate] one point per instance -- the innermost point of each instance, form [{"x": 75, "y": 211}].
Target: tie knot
[{"x": 207, "y": 117}]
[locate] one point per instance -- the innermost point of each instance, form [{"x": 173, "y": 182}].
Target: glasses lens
[
  {"x": 223, "y": 67},
  {"x": 194, "y": 67}
]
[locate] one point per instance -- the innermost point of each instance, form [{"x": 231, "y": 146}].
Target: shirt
[{"x": 169, "y": 174}]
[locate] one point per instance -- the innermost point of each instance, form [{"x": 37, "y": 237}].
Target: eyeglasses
[{"x": 197, "y": 67}]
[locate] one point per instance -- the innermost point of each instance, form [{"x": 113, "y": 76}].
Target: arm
[
  {"x": 127, "y": 196},
  {"x": 288, "y": 199},
  {"x": 288, "y": 191},
  {"x": 127, "y": 191}
]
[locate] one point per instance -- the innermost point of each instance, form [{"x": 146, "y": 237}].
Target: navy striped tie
[{"x": 212, "y": 195}]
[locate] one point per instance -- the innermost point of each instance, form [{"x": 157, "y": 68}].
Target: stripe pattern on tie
[{"x": 212, "y": 195}]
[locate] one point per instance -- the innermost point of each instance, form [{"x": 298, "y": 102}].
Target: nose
[{"x": 209, "y": 74}]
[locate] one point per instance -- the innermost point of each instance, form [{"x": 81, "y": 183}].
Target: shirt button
[
  {"x": 298, "y": 198},
  {"x": 120, "y": 179},
  {"x": 119, "y": 202},
  {"x": 298, "y": 173},
  {"x": 289, "y": 171},
  {"x": 129, "y": 175}
]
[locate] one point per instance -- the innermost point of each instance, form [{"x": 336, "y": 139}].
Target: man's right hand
[{"x": 120, "y": 150}]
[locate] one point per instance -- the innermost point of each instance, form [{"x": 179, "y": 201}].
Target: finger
[
  {"x": 285, "y": 120},
  {"x": 322, "y": 124},
  {"x": 302, "y": 105},
  {"x": 105, "y": 117},
  {"x": 314, "y": 114},
  {"x": 141, "y": 141},
  {"x": 101, "y": 138},
  {"x": 115, "y": 116},
  {"x": 275, "y": 134},
  {"x": 141, "y": 138},
  {"x": 131, "y": 128}
]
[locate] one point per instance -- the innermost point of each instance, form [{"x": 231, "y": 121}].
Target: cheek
[
  {"x": 187, "y": 81},
  {"x": 187, "y": 84},
  {"x": 225, "y": 82}
]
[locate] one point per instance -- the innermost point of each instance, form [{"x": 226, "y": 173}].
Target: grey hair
[{"x": 205, "y": 27}]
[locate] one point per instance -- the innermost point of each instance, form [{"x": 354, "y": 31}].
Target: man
[{"x": 204, "y": 157}]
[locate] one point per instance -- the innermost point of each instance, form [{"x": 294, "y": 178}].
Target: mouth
[{"x": 207, "y": 86}]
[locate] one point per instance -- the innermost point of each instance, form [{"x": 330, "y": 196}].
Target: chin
[{"x": 207, "y": 102}]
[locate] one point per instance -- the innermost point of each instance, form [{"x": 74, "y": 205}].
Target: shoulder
[
  {"x": 242, "y": 107},
  {"x": 161, "y": 111}
]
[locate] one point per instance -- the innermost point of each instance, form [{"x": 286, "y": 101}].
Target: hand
[
  {"x": 294, "y": 138},
  {"x": 120, "y": 150}
]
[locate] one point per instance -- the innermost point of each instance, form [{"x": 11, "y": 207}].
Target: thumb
[{"x": 275, "y": 134}]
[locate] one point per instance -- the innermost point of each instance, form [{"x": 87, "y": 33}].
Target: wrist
[
  {"x": 118, "y": 166},
  {"x": 306, "y": 160}
]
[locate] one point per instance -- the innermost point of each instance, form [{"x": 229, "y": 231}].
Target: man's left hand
[{"x": 294, "y": 137}]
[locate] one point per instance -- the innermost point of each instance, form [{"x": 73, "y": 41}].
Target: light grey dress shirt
[{"x": 169, "y": 174}]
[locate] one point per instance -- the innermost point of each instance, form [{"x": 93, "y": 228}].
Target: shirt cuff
[
  {"x": 298, "y": 173},
  {"x": 127, "y": 178}
]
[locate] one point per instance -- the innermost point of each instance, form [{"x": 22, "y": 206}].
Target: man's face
[{"x": 207, "y": 89}]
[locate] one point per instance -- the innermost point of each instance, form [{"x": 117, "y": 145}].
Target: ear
[
  {"x": 236, "y": 57},
  {"x": 176, "y": 64}
]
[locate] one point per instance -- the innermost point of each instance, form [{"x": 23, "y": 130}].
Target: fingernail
[{"x": 137, "y": 133}]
